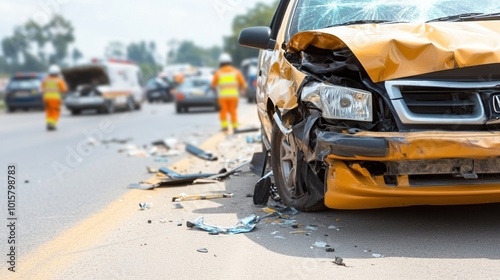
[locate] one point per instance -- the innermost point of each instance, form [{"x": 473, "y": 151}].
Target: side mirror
[{"x": 258, "y": 37}]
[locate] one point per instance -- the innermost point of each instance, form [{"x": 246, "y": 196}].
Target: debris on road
[
  {"x": 178, "y": 205},
  {"x": 377, "y": 255},
  {"x": 300, "y": 232},
  {"x": 184, "y": 197},
  {"x": 144, "y": 205},
  {"x": 200, "y": 153},
  {"x": 244, "y": 225},
  {"x": 202, "y": 250},
  {"x": 339, "y": 261},
  {"x": 175, "y": 179},
  {"x": 254, "y": 139},
  {"x": 320, "y": 244},
  {"x": 262, "y": 190},
  {"x": 281, "y": 211},
  {"x": 246, "y": 130},
  {"x": 117, "y": 140},
  {"x": 329, "y": 250}
]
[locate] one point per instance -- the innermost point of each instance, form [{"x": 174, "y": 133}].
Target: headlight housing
[{"x": 338, "y": 102}]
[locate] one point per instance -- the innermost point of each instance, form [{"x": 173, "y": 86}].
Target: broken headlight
[{"x": 338, "y": 102}]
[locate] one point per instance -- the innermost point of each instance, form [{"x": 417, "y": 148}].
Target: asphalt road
[
  {"x": 62, "y": 179},
  {"x": 88, "y": 226}
]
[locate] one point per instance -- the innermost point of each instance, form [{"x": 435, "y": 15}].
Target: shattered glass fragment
[
  {"x": 144, "y": 205},
  {"x": 244, "y": 225}
]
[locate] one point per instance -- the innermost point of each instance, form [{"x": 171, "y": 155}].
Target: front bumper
[
  {"x": 83, "y": 103},
  {"x": 351, "y": 185}
]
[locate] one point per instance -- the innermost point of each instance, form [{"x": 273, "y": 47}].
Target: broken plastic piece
[
  {"x": 329, "y": 250},
  {"x": 262, "y": 190},
  {"x": 202, "y": 250},
  {"x": 200, "y": 153},
  {"x": 244, "y": 225},
  {"x": 377, "y": 255},
  {"x": 144, "y": 205},
  {"x": 184, "y": 197},
  {"x": 245, "y": 130}
]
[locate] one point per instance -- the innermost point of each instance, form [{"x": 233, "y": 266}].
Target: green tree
[
  {"x": 18, "y": 49},
  {"x": 76, "y": 55},
  {"x": 260, "y": 15},
  {"x": 60, "y": 33},
  {"x": 188, "y": 52}
]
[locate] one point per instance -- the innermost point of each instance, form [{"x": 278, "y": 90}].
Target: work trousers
[
  {"x": 228, "y": 105},
  {"x": 52, "y": 110}
]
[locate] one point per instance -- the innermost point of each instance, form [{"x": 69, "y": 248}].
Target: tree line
[{"x": 34, "y": 46}]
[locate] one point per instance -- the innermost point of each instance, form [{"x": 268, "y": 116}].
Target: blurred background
[{"x": 158, "y": 36}]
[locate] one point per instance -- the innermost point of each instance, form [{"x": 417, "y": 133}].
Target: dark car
[
  {"x": 158, "y": 89},
  {"x": 368, "y": 104},
  {"x": 249, "y": 70},
  {"x": 195, "y": 92},
  {"x": 24, "y": 91}
]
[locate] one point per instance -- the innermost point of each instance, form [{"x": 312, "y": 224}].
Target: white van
[{"x": 104, "y": 86}]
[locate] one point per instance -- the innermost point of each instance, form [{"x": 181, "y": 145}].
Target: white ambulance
[{"x": 104, "y": 85}]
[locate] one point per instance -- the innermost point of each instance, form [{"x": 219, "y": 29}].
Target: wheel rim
[{"x": 288, "y": 155}]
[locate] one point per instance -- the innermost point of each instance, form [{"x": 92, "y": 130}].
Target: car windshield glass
[
  {"x": 317, "y": 14},
  {"x": 20, "y": 84}
]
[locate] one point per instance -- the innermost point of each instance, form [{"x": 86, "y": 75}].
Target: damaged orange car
[{"x": 369, "y": 104}]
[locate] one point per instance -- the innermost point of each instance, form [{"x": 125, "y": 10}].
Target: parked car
[
  {"x": 24, "y": 91},
  {"x": 381, "y": 104},
  {"x": 158, "y": 89},
  {"x": 104, "y": 86},
  {"x": 249, "y": 70},
  {"x": 195, "y": 92}
]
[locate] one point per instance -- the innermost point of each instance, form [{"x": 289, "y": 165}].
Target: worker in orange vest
[
  {"x": 53, "y": 87},
  {"x": 228, "y": 83}
]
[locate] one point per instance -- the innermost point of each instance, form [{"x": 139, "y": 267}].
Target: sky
[{"x": 98, "y": 22}]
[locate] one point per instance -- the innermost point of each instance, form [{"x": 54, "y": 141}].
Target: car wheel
[
  {"x": 296, "y": 183},
  {"x": 138, "y": 105},
  {"x": 178, "y": 109},
  {"x": 109, "y": 107},
  {"x": 130, "y": 104},
  {"x": 75, "y": 112},
  {"x": 11, "y": 110}
]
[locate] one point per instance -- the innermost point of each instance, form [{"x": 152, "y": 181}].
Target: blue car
[
  {"x": 249, "y": 69},
  {"x": 24, "y": 91}
]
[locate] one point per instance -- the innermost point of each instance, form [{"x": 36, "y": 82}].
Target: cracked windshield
[
  {"x": 249, "y": 139},
  {"x": 317, "y": 14}
]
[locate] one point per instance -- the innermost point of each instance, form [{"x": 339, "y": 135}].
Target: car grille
[{"x": 440, "y": 103}]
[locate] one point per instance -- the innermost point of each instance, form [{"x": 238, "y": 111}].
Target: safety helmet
[
  {"x": 225, "y": 58},
  {"x": 54, "y": 70}
]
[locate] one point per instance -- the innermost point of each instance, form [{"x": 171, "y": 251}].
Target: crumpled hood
[{"x": 391, "y": 51}]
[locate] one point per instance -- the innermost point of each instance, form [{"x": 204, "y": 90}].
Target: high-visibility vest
[
  {"x": 228, "y": 84},
  {"x": 51, "y": 89}
]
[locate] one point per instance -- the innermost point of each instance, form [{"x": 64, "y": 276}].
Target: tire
[
  {"x": 75, "y": 112},
  {"x": 10, "y": 110},
  {"x": 138, "y": 106},
  {"x": 178, "y": 109},
  {"x": 130, "y": 104},
  {"x": 109, "y": 107},
  {"x": 296, "y": 183}
]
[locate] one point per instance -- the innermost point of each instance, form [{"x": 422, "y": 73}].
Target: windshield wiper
[
  {"x": 362, "y": 22},
  {"x": 468, "y": 17}
]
